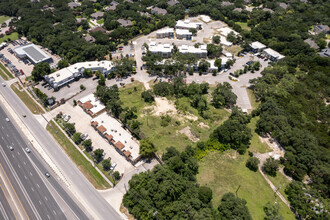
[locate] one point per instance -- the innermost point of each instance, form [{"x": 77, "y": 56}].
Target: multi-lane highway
[
  {"x": 92, "y": 201},
  {"x": 26, "y": 173},
  {"x": 6, "y": 211}
]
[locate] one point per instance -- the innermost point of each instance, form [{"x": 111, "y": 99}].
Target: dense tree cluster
[
  {"x": 170, "y": 191},
  {"x": 234, "y": 131},
  {"x": 223, "y": 96}
]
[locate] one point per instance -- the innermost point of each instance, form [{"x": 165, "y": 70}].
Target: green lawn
[
  {"x": 225, "y": 172},
  {"x": 280, "y": 181},
  {"x": 28, "y": 101},
  {"x": 234, "y": 49},
  {"x": 3, "y": 75},
  {"x": 256, "y": 144},
  {"x": 3, "y": 19},
  {"x": 10, "y": 37},
  {"x": 6, "y": 71},
  {"x": 252, "y": 98},
  {"x": 101, "y": 21},
  {"x": 244, "y": 25},
  {"x": 81, "y": 162}
]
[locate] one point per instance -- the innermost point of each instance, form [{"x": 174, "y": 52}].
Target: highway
[
  {"x": 84, "y": 191},
  {"x": 6, "y": 211}
]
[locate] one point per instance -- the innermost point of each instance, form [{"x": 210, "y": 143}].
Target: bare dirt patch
[
  {"x": 203, "y": 125},
  {"x": 163, "y": 106},
  {"x": 189, "y": 134}
]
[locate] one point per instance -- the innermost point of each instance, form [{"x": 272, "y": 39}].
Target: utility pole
[
  {"x": 277, "y": 190},
  {"x": 237, "y": 190}
]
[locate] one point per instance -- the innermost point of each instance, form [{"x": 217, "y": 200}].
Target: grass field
[
  {"x": 28, "y": 101},
  {"x": 225, "y": 172},
  {"x": 3, "y": 75},
  {"x": 6, "y": 71},
  {"x": 244, "y": 25},
  {"x": 12, "y": 36},
  {"x": 3, "y": 19},
  {"x": 256, "y": 144},
  {"x": 83, "y": 165},
  {"x": 280, "y": 181},
  {"x": 252, "y": 98},
  {"x": 164, "y": 137},
  {"x": 234, "y": 49}
]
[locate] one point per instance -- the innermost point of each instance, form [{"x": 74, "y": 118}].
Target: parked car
[
  {"x": 113, "y": 165},
  {"x": 83, "y": 136},
  {"x": 67, "y": 118},
  {"x": 63, "y": 116}
]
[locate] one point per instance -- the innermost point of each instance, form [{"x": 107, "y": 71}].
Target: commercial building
[
  {"x": 120, "y": 138},
  {"x": 165, "y": 50},
  {"x": 226, "y": 30},
  {"x": 75, "y": 71},
  {"x": 183, "y": 34},
  {"x": 225, "y": 42},
  {"x": 272, "y": 54},
  {"x": 257, "y": 47},
  {"x": 165, "y": 33},
  {"x": 187, "y": 24},
  {"x": 200, "y": 52},
  {"x": 91, "y": 105},
  {"x": 33, "y": 53}
]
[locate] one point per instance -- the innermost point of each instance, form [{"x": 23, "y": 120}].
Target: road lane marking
[
  {"x": 54, "y": 211},
  {"x": 4, "y": 214},
  {"x": 46, "y": 198},
  {"x": 30, "y": 174},
  {"x": 25, "y": 177},
  {"x": 14, "y": 191},
  {"x": 19, "y": 166},
  {"x": 7, "y": 200},
  {"x": 32, "y": 189},
  {"x": 24, "y": 162},
  {"x": 18, "y": 153},
  {"x": 38, "y": 185},
  {"x": 13, "y": 155},
  {"x": 48, "y": 216},
  {"x": 39, "y": 202}
]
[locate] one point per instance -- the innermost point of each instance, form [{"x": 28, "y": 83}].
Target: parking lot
[
  {"x": 83, "y": 125},
  {"x": 24, "y": 67}
]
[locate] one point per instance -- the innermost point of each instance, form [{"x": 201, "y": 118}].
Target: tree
[
  {"x": 223, "y": 96},
  {"x": 271, "y": 166},
  {"x": 40, "y": 70},
  {"x": 116, "y": 175},
  {"x": 69, "y": 128},
  {"x": 148, "y": 96},
  {"x": 216, "y": 39},
  {"x": 213, "y": 50},
  {"x": 106, "y": 164},
  {"x": 87, "y": 73},
  {"x": 88, "y": 145},
  {"x": 218, "y": 63},
  {"x": 147, "y": 148},
  {"x": 62, "y": 64},
  {"x": 193, "y": 31},
  {"x": 272, "y": 212},
  {"x": 205, "y": 194},
  {"x": 84, "y": 24},
  {"x": 76, "y": 137},
  {"x": 232, "y": 207},
  {"x": 98, "y": 155},
  {"x": 252, "y": 163},
  {"x": 204, "y": 66}
]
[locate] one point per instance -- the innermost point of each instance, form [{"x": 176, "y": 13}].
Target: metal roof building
[{"x": 33, "y": 53}]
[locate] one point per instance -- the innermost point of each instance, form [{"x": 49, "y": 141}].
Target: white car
[
  {"x": 11, "y": 148},
  {"x": 84, "y": 136},
  {"x": 4, "y": 84},
  {"x": 113, "y": 165},
  {"x": 67, "y": 118},
  {"x": 7, "y": 119},
  {"x": 27, "y": 150},
  {"x": 63, "y": 116}
]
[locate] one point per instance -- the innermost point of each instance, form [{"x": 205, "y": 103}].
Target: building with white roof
[
  {"x": 183, "y": 34},
  {"x": 272, "y": 54},
  {"x": 91, "y": 105},
  {"x": 200, "y": 52},
  {"x": 32, "y": 53},
  {"x": 75, "y": 71},
  {"x": 225, "y": 42},
  {"x": 123, "y": 141},
  {"x": 167, "y": 32},
  {"x": 165, "y": 50},
  {"x": 257, "y": 47},
  {"x": 187, "y": 24},
  {"x": 226, "y": 30}
]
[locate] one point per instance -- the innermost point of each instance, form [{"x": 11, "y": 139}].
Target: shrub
[
  {"x": 148, "y": 96},
  {"x": 252, "y": 163},
  {"x": 271, "y": 166},
  {"x": 82, "y": 87}
]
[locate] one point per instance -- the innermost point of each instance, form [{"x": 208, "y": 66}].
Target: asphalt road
[
  {"x": 24, "y": 176},
  {"x": 6, "y": 211},
  {"x": 91, "y": 199}
]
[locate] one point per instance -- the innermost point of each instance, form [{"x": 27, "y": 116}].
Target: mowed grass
[
  {"x": 256, "y": 144},
  {"x": 280, "y": 181},
  {"x": 3, "y": 75},
  {"x": 27, "y": 100},
  {"x": 10, "y": 37},
  {"x": 225, "y": 172},
  {"x": 243, "y": 25},
  {"x": 6, "y": 71},
  {"x": 3, "y": 19},
  {"x": 253, "y": 99},
  {"x": 234, "y": 49},
  {"x": 81, "y": 162}
]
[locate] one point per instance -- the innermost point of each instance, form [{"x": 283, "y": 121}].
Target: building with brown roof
[
  {"x": 95, "y": 124},
  {"x": 119, "y": 146},
  {"x": 98, "y": 29},
  {"x": 101, "y": 129},
  {"x": 109, "y": 137}
]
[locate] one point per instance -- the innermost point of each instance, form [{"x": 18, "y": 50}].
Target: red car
[{"x": 21, "y": 72}]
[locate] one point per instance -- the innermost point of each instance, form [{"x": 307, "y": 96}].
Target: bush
[
  {"x": 271, "y": 166},
  {"x": 148, "y": 96},
  {"x": 82, "y": 87},
  {"x": 252, "y": 163},
  {"x": 165, "y": 120},
  {"x": 88, "y": 145},
  {"x": 147, "y": 148},
  {"x": 98, "y": 155},
  {"x": 76, "y": 138},
  {"x": 116, "y": 175},
  {"x": 106, "y": 164}
]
